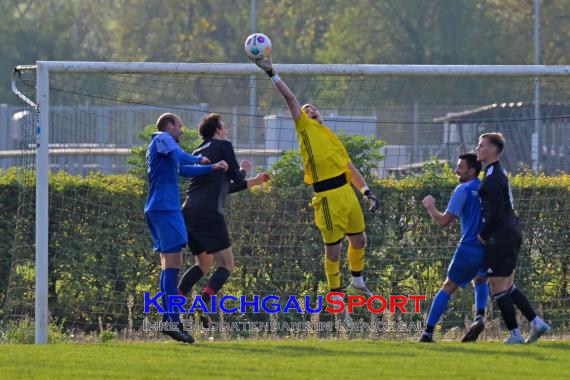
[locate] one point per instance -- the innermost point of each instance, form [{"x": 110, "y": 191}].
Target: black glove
[{"x": 373, "y": 202}]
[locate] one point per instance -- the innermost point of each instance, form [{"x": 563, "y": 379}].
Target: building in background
[{"x": 516, "y": 122}]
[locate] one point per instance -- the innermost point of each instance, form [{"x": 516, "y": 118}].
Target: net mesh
[{"x": 100, "y": 254}]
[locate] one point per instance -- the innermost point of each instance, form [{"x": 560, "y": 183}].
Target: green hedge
[{"x": 101, "y": 253}]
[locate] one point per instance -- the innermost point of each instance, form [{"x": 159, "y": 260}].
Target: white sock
[
  {"x": 358, "y": 281},
  {"x": 515, "y": 333}
]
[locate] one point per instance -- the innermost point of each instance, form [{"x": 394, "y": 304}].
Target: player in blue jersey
[
  {"x": 165, "y": 162},
  {"x": 468, "y": 262}
]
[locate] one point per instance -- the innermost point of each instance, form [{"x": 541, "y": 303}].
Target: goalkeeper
[{"x": 329, "y": 170}]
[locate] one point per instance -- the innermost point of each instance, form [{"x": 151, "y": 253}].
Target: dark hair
[
  {"x": 164, "y": 120},
  {"x": 471, "y": 159},
  {"x": 209, "y": 125},
  {"x": 495, "y": 138}
]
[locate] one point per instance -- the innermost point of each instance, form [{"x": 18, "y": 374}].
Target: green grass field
[{"x": 286, "y": 359}]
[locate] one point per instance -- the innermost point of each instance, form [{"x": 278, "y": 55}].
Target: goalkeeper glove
[
  {"x": 373, "y": 202},
  {"x": 265, "y": 65}
]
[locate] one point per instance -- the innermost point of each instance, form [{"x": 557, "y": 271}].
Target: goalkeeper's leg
[
  {"x": 356, "y": 246},
  {"x": 332, "y": 271},
  {"x": 357, "y": 243}
]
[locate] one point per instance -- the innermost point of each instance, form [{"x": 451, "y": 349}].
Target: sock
[
  {"x": 358, "y": 281},
  {"x": 437, "y": 309},
  {"x": 355, "y": 258},
  {"x": 189, "y": 279},
  {"x": 332, "y": 272},
  {"x": 163, "y": 298},
  {"x": 507, "y": 308},
  {"x": 522, "y": 303},
  {"x": 170, "y": 280},
  {"x": 481, "y": 297},
  {"x": 216, "y": 281}
]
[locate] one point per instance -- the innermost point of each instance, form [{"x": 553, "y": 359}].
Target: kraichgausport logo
[{"x": 275, "y": 304}]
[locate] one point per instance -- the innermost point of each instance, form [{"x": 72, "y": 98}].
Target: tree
[
  {"x": 302, "y": 31},
  {"x": 412, "y": 32}
]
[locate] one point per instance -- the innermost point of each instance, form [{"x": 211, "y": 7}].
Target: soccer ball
[{"x": 257, "y": 46}]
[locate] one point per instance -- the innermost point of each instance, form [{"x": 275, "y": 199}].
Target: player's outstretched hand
[
  {"x": 245, "y": 165},
  {"x": 373, "y": 202},
  {"x": 221, "y": 165},
  {"x": 264, "y": 64},
  {"x": 205, "y": 161},
  {"x": 262, "y": 177}
]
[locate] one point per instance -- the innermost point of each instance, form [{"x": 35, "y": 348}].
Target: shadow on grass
[
  {"x": 531, "y": 351},
  {"x": 304, "y": 350},
  {"x": 369, "y": 349},
  {"x": 560, "y": 345}
]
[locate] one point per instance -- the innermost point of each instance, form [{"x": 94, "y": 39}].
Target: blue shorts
[
  {"x": 167, "y": 230},
  {"x": 468, "y": 262}
]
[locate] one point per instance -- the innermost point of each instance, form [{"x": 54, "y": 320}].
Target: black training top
[
  {"x": 206, "y": 194},
  {"x": 497, "y": 202}
]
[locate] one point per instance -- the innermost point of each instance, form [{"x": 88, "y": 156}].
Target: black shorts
[
  {"x": 501, "y": 252},
  {"x": 206, "y": 234}
]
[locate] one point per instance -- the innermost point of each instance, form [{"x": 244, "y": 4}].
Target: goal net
[{"x": 403, "y": 125}]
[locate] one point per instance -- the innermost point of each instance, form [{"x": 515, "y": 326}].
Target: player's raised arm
[
  {"x": 290, "y": 98},
  {"x": 442, "y": 219}
]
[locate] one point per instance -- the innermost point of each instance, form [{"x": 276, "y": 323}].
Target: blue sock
[
  {"x": 171, "y": 289},
  {"x": 438, "y": 306},
  {"x": 481, "y": 297},
  {"x": 163, "y": 298}
]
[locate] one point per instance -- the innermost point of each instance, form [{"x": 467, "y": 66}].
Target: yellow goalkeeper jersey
[{"x": 324, "y": 155}]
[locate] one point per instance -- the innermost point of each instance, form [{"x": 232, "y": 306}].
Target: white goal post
[{"x": 45, "y": 68}]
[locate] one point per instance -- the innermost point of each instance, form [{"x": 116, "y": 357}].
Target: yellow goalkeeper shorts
[{"x": 337, "y": 213}]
